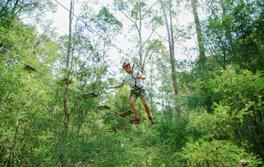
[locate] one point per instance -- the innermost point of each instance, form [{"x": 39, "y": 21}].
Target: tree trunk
[
  {"x": 11, "y": 159},
  {"x": 10, "y": 162},
  {"x": 171, "y": 47},
  {"x": 66, "y": 87},
  {"x": 172, "y": 56},
  {"x": 226, "y": 24},
  {"x": 14, "y": 8},
  {"x": 140, "y": 43},
  {"x": 151, "y": 82},
  {"x": 228, "y": 46},
  {"x": 202, "y": 58}
]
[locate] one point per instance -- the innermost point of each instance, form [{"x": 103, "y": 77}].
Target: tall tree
[
  {"x": 202, "y": 57},
  {"x": 142, "y": 17},
  {"x": 108, "y": 25},
  {"x": 217, "y": 31},
  {"x": 66, "y": 84},
  {"x": 12, "y": 9},
  {"x": 224, "y": 5},
  {"x": 167, "y": 6}
]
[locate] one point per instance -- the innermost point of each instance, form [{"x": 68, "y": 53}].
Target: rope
[
  {"x": 90, "y": 28},
  {"x": 27, "y": 62},
  {"x": 49, "y": 84}
]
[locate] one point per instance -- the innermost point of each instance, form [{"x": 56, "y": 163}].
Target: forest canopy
[{"x": 57, "y": 102}]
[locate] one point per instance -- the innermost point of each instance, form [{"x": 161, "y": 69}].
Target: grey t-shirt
[{"x": 131, "y": 80}]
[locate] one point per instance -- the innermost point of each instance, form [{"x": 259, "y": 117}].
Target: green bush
[
  {"x": 243, "y": 93},
  {"x": 216, "y": 153},
  {"x": 237, "y": 102}
]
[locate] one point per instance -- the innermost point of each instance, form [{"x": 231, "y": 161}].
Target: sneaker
[
  {"x": 151, "y": 119},
  {"x": 137, "y": 120}
]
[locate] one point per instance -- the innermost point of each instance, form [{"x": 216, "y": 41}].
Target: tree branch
[{"x": 152, "y": 32}]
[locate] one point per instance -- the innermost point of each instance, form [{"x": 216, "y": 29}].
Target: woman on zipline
[{"x": 135, "y": 80}]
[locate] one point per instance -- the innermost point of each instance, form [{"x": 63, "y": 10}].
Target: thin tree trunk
[
  {"x": 14, "y": 144},
  {"x": 228, "y": 33},
  {"x": 172, "y": 56},
  {"x": 226, "y": 24},
  {"x": 4, "y": 9},
  {"x": 202, "y": 58},
  {"x": 13, "y": 148},
  {"x": 151, "y": 83},
  {"x": 66, "y": 87},
  {"x": 140, "y": 43},
  {"x": 14, "y": 7},
  {"x": 171, "y": 47}
]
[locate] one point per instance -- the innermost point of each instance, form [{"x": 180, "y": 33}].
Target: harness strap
[{"x": 135, "y": 86}]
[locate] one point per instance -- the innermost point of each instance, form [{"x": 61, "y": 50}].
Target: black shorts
[{"x": 138, "y": 92}]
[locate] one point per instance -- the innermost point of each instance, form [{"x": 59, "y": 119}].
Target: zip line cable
[
  {"x": 91, "y": 29},
  {"x": 27, "y": 62},
  {"x": 49, "y": 84},
  {"x": 154, "y": 31},
  {"x": 33, "y": 65}
]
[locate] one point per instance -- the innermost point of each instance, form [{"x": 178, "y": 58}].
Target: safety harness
[
  {"x": 135, "y": 78},
  {"x": 137, "y": 90}
]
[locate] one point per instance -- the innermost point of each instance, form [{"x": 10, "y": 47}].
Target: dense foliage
[{"x": 216, "y": 119}]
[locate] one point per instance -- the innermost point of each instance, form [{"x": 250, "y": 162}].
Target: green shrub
[{"x": 216, "y": 153}]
